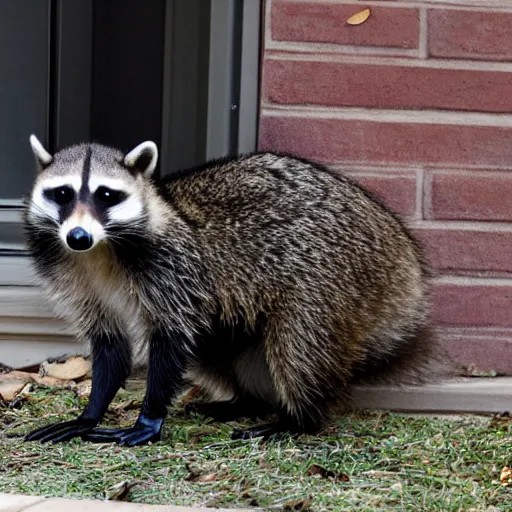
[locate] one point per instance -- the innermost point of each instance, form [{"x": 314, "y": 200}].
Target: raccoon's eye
[
  {"x": 60, "y": 195},
  {"x": 108, "y": 196}
]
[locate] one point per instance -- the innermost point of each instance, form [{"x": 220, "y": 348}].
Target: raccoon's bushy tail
[{"x": 418, "y": 359}]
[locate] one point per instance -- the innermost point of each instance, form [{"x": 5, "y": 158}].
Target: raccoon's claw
[
  {"x": 63, "y": 431},
  {"x": 144, "y": 431}
]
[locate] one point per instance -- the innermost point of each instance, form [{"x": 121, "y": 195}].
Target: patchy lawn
[{"x": 366, "y": 461}]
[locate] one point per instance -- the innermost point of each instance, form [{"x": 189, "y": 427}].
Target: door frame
[
  {"x": 218, "y": 115},
  {"x": 221, "y": 108}
]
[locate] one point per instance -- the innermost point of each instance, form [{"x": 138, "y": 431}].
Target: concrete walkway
[
  {"x": 18, "y": 503},
  {"x": 462, "y": 395}
]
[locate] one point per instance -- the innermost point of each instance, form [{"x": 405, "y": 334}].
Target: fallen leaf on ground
[
  {"x": 72, "y": 369},
  {"x": 315, "y": 469},
  {"x": 376, "y": 473},
  {"x": 359, "y": 17},
  {"x": 9, "y": 388},
  {"x": 119, "y": 492},
  {"x": 83, "y": 389},
  {"x": 52, "y": 381},
  {"x": 125, "y": 405},
  {"x": 34, "y": 377},
  {"x": 301, "y": 505},
  {"x": 17, "y": 374},
  {"x": 195, "y": 475},
  {"x": 501, "y": 421},
  {"x": 396, "y": 487},
  {"x": 208, "y": 477},
  {"x": 506, "y": 477}
]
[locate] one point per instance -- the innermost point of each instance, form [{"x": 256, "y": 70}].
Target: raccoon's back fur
[
  {"x": 287, "y": 282},
  {"x": 332, "y": 277}
]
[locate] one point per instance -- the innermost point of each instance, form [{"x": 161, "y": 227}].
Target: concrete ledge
[
  {"x": 19, "y": 503},
  {"x": 476, "y": 395}
]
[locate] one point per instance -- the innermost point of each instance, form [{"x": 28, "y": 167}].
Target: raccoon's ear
[
  {"x": 143, "y": 158},
  {"x": 43, "y": 158}
]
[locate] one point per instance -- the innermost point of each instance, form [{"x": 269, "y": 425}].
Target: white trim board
[
  {"x": 19, "y": 351},
  {"x": 16, "y": 271},
  {"x": 23, "y": 302},
  {"x": 29, "y": 331}
]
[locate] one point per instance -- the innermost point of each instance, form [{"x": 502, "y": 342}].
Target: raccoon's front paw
[
  {"x": 64, "y": 431},
  {"x": 146, "y": 430}
]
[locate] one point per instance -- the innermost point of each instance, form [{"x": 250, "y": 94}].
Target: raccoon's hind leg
[
  {"x": 230, "y": 410},
  {"x": 305, "y": 419},
  {"x": 288, "y": 423},
  {"x": 306, "y": 382},
  {"x": 232, "y": 371},
  {"x": 229, "y": 402}
]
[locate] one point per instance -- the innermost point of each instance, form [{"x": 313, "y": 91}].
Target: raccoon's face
[{"x": 83, "y": 191}]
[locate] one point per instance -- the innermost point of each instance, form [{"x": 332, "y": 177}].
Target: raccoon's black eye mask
[
  {"x": 109, "y": 197},
  {"x": 65, "y": 195},
  {"x": 60, "y": 195}
]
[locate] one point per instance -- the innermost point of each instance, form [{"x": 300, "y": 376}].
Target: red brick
[
  {"x": 323, "y": 22},
  {"x": 468, "y": 250},
  {"x": 470, "y": 34},
  {"x": 478, "y": 305},
  {"x": 396, "y": 190},
  {"x": 469, "y": 196},
  {"x": 378, "y": 86},
  {"x": 338, "y": 140},
  {"x": 483, "y": 350}
]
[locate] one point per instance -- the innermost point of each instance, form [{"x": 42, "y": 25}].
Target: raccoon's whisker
[{"x": 44, "y": 215}]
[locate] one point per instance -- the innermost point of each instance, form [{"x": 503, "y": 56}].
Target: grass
[{"x": 366, "y": 461}]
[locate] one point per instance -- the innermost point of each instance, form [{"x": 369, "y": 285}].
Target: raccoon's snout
[{"x": 79, "y": 240}]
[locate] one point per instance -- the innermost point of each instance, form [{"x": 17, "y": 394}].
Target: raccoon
[{"x": 272, "y": 282}]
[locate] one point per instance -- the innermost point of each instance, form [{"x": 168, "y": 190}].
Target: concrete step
[{"x": 471, "y": 395}]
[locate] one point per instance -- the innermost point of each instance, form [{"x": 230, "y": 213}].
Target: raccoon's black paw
[
  {"x": 146, "y": 430},
  {"x": 64, "y": 431}
]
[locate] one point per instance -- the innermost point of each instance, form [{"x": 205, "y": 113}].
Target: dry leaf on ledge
[
  {"x": 359, "y": 17},
  {"x": 72, "y": 369},
  {"x": 17, "y": 374},
  {"x": 9, "y": 388},
  {"x": 52, "y": 381}
]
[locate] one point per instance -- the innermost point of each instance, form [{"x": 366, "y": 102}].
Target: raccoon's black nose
[{"x": 79, "y": 240}]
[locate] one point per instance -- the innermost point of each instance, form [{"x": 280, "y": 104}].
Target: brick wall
[{"x": 416, "y": 103}]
